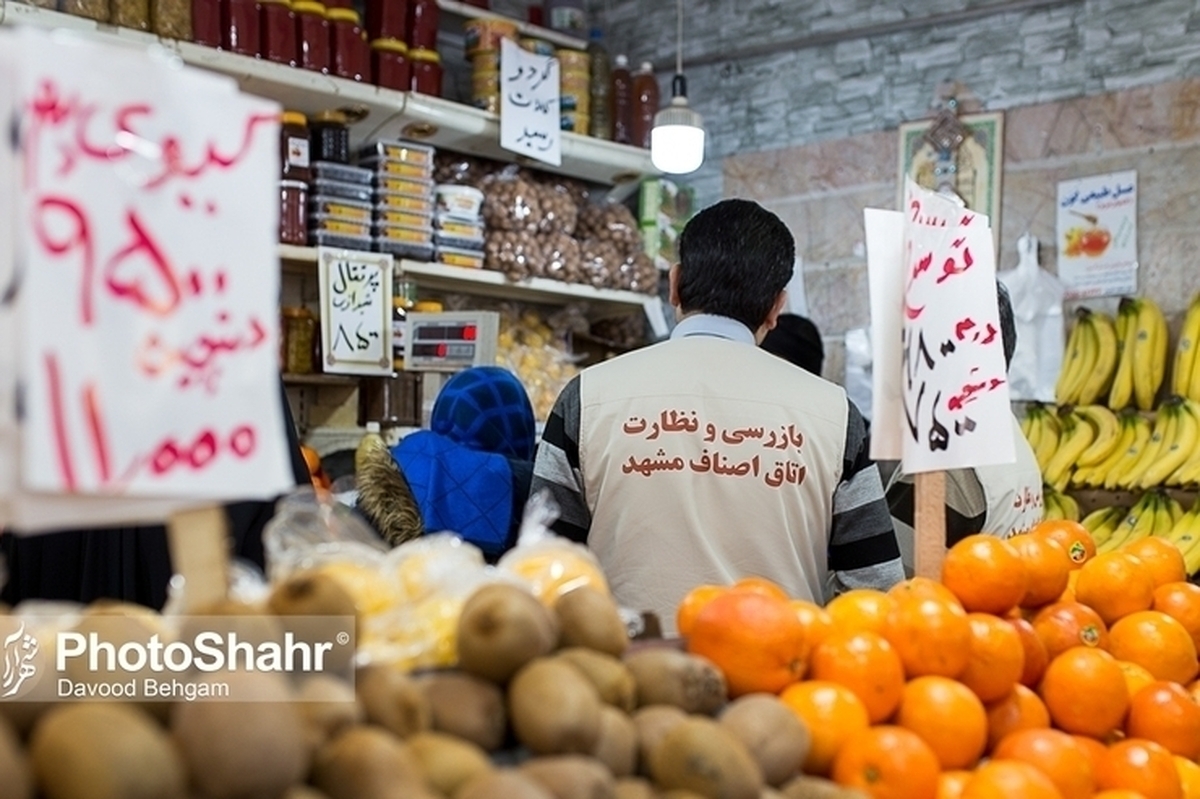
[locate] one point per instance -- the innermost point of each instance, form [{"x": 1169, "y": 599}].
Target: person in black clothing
[{"x": 796, "y": 339}]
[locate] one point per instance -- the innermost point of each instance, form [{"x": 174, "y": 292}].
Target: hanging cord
[{"x": 679, "y": 37}]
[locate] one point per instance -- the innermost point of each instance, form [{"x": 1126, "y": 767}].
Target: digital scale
[{"x": 442, "y": 344}]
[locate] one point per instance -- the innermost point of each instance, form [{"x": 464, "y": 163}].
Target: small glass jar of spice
[
  {"x": 426, "y": 71},
  {"x": 350, "y": 55},
  {"x": 312, "y": 35},
  {"x": 242, "y": 27},
  {"x": 278, "y": 23},
  {"x": 390, "y": 65}
]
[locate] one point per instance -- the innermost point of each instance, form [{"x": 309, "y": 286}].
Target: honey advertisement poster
[{"x": 1097, "y": 235}]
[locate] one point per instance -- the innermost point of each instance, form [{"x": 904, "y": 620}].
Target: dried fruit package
[{"x": 550, "y": 564}]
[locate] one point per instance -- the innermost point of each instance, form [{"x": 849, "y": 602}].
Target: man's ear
[
  {"x": 776, "y": 310},
  {"x": 673, "y": 286}
]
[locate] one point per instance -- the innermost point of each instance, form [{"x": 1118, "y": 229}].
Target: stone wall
[{"x": 819, "y": 190}]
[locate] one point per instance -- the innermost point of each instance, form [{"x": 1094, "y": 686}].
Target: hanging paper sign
[
  {"x": 530, "y": 115},
  {"x": 146, "y": 217},
  {"x": 356, "y": 312},
  {"x": 1097, "y": 235}
]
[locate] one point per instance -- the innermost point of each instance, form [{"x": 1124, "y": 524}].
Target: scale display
[{"x": 450, "y": 341}]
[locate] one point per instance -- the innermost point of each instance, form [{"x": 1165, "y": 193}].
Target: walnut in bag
[
  {"x": 560, "y": 213},
  {"x": 515, "y": 253},
  {"x": 601, "y": 262},
  {"x": 611, "y": 222},
  {"x": 464, "y": 170},
  {"x": 511, "y": 203},
  {"x": 640, "y": 274},
  {"x": 561, "y": 259}
]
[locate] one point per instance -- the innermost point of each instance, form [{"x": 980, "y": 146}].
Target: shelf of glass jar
[
  {"x": 377, "y": 113},
  {"x": 484, "y": 282}
]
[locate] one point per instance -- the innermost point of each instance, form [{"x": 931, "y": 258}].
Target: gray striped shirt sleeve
[{"x": 556, "y": 468}]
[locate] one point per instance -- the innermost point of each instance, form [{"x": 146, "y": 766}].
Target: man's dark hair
[
  {"x": 796, "y": 339},
  {"x": 1008, "y": 325},
  {"x": 735, "y": 257}
]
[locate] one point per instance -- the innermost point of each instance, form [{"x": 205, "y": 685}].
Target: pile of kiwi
[{"x": 547, "y": 703}]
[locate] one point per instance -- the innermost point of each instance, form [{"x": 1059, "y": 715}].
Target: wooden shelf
[
  {"x": 380, "y": 113},
  {"x": 290, "y": 379}
]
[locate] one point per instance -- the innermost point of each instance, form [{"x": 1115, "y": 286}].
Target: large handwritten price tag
[
  {"x": 146, "y": 217},
  {"x": 356, "y": 312},
  {"x": 8, "y": 283},
  {"x": 530, "y": 120}
]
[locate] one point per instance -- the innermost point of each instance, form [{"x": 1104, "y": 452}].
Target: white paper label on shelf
[
  {"x": 146, "y": 219},
  {"x": 530, "y": 114},
  {"x": 1097, "y": 235},
  {"x": 356, "y": 312},
  {"x": 954, "y": 409}
]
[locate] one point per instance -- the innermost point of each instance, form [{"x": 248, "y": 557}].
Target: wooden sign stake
[
  {"x": 199, "y": 543},
  {"x": 929, "y": 524}
]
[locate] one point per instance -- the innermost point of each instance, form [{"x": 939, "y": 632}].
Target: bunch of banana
[
  {"x": 1042, "y": 429},
  {"x": 1058, "y": 505},
  {"x": 1185, "y": 377},
  {"x": 1142, "y": 333},
  {"x": 1187, "y": 442},
  {"x": 1186, "y": 535},
  {"x": 1079, "y": 434},
  {"x": 1090, "y": 360},
  {"x": 1116, "y": 433},
  {"x": 1171, "y": 444},
  {"x": 1102, "y": 522},
  {"x": 1154, "y": 514}
]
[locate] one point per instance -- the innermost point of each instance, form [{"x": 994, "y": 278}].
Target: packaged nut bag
[
  {"x": 613, "y": 223},
  {"x": 561, "y": 259},
  {"x": 511, "y": 202},
  {"x": 518, "y": 254},
  {"x": 560, "y": 212},
  {"x": 601, "y": 262}
]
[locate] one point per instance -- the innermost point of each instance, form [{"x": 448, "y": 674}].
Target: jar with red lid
[
  {"x": 349, "y": 55},
  {"x": 312, "y": 35},
  {"x": 390, "y": 65},
  {"x": 426, "y": 71},
  {"x": 278, "y": 25},
  {"x": 206, "y": 22},
  {"x": 242, "y": 29},
  {"x": 293, "y": 212},
  {"x": 423, "y": 24},
  {"x": 387, "y": 19}
]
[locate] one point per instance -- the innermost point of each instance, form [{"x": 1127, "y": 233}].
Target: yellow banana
[
  {"x": 1161, "y": 339},
  {"x": 1108, "y": 433},
  {"x": 1097, "y": 381},
  {"x": 1164, "y": 431},
  {"x": 1078, "y": 435},
  {"x": 1094, "y": 476},
  {"x": 1175, "y": 509},
  {"x": 1164, "y": 522},
  {"x": 1185, "y": 351},
  {"x": 1105, "y": 531},
  {"x": 1121, "y": 392},
  {"x": 1140, "y": 515},
  {"x": 1096, "y": 518},
  {"x": 1047, "y": 439},
  {"x": 1143, "y": 430},
  {"x": 1191, "y": 558},
  {"x": 1184, "y": 434},
  {"x": 1149, "y": 350},
  {"x": 1051, "y": 509},
  {"x": 1027, "y": 422},
  {"x": 1081, "y": 348},
  {"x": 1069, "y": 506}
]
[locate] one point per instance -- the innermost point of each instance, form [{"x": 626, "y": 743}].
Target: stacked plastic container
[
  {"x": 339, "y": 206},
  {"x": 458, "y": 226},
  {"x": 402, "y": 175}
]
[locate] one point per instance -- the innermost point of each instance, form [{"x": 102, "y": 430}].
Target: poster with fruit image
[{"x": 1097, "y": 235}]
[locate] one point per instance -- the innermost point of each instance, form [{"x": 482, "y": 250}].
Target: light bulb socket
[{"x": 679, "y": 85}]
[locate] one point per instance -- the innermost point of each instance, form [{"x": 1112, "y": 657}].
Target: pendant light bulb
[{"x": 677, "y": 138}]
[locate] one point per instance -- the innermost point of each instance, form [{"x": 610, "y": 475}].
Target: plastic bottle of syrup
[
  {"x": 621, "y": 101},
  {"x": 645, "y": 104},
  {"x": 600, "y": 124}
]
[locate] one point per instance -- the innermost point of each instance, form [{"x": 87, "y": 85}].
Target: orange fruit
[
  {"x": 756, "y": 640},
  {"x": 817, "y": 623},
  {"x": 1157, "y": 643},
  {"x": 951, "y": 784},
  {"x": 931, "y": 636},
  {"x": 888, "y": 763},
  {"x": 1118, "y": 793},
  {"x": 760, "y": 585},
  {"x": 1072, "y": 580},
  {"x": 866, "y": 664},
  {"x": 1114, "y": 584},
  {"x": 832, "y": 713},
  {"x": 1035, "y": 656},
  {"x": 1048, "y": 566},
  {"x": 1057, "y": 755},
  {"x": 1084, "y": 690},
  {"x": 1071, "y": 536},
  {"x": 986, "y": 574},
  {"x": 1166, "y": 713},
  {"x": 1007, "y": 779},
  {"x": 1161, "y": 557},
  {"x": 997, "y": 657},
  {"x": 693, "y": 602},
  {"x": 1189, "y": 777},
  {"x": 1180, "y": 601},
  {"x": 1067, "y": 624},
  {"x": 1020, "y": 710},
  {"x": 948, "y": 717},
  {"x": 920, "y": 586},
  {"x": 1141, "y": 766},
  {"x": 860, "y": 610},
  {"x": 1136, "y": 677},
  {"x": 1094, "y": 750}
]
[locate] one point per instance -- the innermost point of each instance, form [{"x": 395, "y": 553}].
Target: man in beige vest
[{"x": 704, "y": 459}]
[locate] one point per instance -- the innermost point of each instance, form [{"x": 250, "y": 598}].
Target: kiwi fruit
[
  {"x": 105, "y": 751},
  {"x": 666, "y": 676},
  {"x": 328, "y": 706},
  {"x": 249, "y": 622},
  {"x": 571, "y": 777},
  {"x": 652, "y": 724},
  {"x": 554, "y": 709},
  {"x": 770, "y": 793},
  {"x": 448, "y": 763},
  {"x": 393, "y": 700},
  {"x": 700, "y": 755},
  {"x": 776, "y": 739},
  {"x": 634, "y": 788},
  {"x": 303, "y": 792},
  {"x": 243, "y": 749},
  {"x": 680, "y": 793},
  {"x": 590, "y": 618},
  {"x": 806, "y": 787},
  {"x": 611, "y": 678},
  {"x": 16, "y": 777},
  {"x": 503, "y": 784},
  {"x": 617, "y": 746},
  {"x": 315, "y": 593},
  {"x": 120, "y": 623},
  {"x": 367, "y": 763},
  {"x": 467, "y": 707},
  {"x": 503, "y": 627}
]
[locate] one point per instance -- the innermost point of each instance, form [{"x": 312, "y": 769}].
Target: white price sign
[
  {"x": 356, "y": 312},
  {"x": 530, "y": 115}
]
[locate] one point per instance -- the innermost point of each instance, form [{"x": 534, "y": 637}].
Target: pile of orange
[{"x": 1034, "y": 668}]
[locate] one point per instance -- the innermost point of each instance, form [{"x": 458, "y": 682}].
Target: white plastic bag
[{"x": 1037, "y": 300}]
